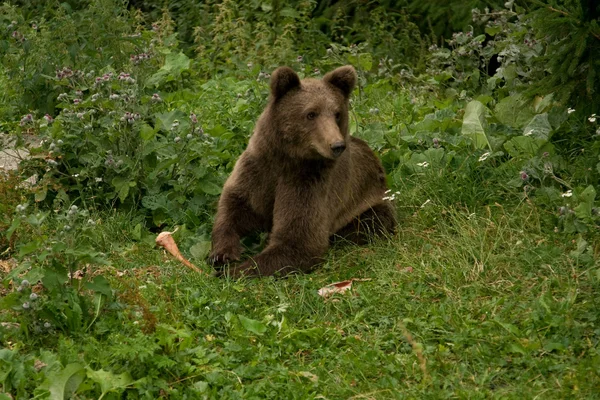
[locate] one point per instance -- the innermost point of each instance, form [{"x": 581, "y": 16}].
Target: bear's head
[{"x": 310, "y": 116}]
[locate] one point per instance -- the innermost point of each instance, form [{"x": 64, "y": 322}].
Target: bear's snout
[{"x": 338, "y": 148}]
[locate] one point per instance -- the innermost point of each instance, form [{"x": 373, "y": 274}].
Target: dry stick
[{"x": 164, "y": 239}]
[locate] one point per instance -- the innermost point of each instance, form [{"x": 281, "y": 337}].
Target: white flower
[
  {"x": 568, "y": 193},
  {"x": 570, "y": 110},
  {"x": 424, "y": 164},
  {"x": 484, "y": 156},
  {"x": 592, "y": 118}
]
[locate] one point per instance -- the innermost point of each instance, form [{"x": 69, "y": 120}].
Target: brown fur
[{"x": 290, "y": 182}]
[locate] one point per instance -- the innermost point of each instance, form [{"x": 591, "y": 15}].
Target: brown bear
[{"x": 303, "y": 179}]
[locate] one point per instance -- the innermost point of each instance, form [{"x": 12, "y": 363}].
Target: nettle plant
[{"x": 55, "y": 287}]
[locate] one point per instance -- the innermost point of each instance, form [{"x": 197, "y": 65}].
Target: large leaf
[
  {"x": 538, "y": 127},
  {"x": 514, "y": 111},
  {"x": 253, "y": 325},
  {"x": 175, "y": 64},
  {"x": 474, "y": 125},
  {"x": 583, "y": 210},
  {"x": 110, "y": 382},
  {"x": 523, "y": 146},
  {"x": 64, "y": 383}
]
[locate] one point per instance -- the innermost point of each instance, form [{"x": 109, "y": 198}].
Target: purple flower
[
  {"x": 76, "y": 101},
  {"x": 193, "y": 118},
  {"x": 524, "y": 175},
  {"x": 48, "y": 118}
]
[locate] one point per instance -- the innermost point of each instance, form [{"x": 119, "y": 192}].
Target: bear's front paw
[{"x": 220, "y": 259}]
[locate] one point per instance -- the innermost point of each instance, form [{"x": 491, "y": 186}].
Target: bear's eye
[
  {"x": 338, "y": 116},
  {"x": 311, "y": 115}
]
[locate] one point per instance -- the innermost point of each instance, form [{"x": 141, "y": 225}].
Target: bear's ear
[
  {"x": 283, "y": 80},
  {"x": 344, "y": 78}
]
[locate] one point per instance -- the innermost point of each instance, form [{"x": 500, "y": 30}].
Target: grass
[{"x": 464, "y": 305}]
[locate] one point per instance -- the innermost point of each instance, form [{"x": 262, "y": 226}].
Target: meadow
[{"x": 133, "y": 119}]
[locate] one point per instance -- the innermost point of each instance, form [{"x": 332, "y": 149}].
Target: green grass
[{"x": 466, "y": 305}]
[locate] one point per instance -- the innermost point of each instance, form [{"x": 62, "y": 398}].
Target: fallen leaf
[
  {"x": 338, "y": 287},
  {"x": 165, "y": 239}
]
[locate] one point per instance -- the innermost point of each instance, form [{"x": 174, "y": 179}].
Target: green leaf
[
  {"x": 122, "y": 186},
  {"x": 146, "y": 132},
  {"x": 99, "y": 285},
  {"x": 523, "y": 146},
  {"x": 110, "y": 382},
  {"x": 209, "y": 187},
  {"x": 175, "y": 64},
  {"x": 474, "y": 124},
  {"x": 583, "y": 210},
  {"x": 252, "y": 325},
  {"x": 513, "y": 111},
  {"x": 40, "y": 194},
  {"x": 64, "y": 383},
  {"x": 165, "y": 120},
  {"x": 538, "y": 127},
  {"x": 200, "y": 250},
  {"x": 493, "y": 30}
]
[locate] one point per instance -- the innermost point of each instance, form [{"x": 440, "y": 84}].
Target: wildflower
[
  {"x": 76, "y": 101},
  {"x": 175, "y": 124},
  {"x": 374, "y": 110},
  {"x": 524, "y": 175},
  {"x": 59, "y": 141},
  {"x": 189, "y": 136},
  {"x": 80, "y": 115},
  {"x": 98, "y": 179},
  {"x": 25, "y": 283},
  {"x": 177, "y": 139},
  {"x": 33, "y": 296},
  {"x": 436, "y": 142},
  {"x": 47, "y": 325},
  {"x": 484, "y": 156},
  {"x": 62, "y": 97},
  {"x": 546, "y": 154},
  {"x": 95, "y": 96},
  {"x": 568, "y": 193},
  {"x": 114, "y": 96},
  {"x": 299, "y": 58},
  {"x": 156, "y": 98},
  {"x": 193, "y": 118},
  {"x": 26, "y": 305},
  {"x": 570, "y": 110},
  {"x": 592, "y": 118},
  {"x": 91, "y": 222},
  {"x": 424, "y": 164},
  {"x": 48, "y": 118},
  {"x": 52, "y": 163},
  {"x": 34, "y": 27},
  {"x": 26, "y": 119},
  {"x": 249, "y": 65}
]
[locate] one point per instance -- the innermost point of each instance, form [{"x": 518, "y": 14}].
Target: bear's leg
[
  {"x": 299, "y": 238},
  {"x": 378, "y": 220},
  {"x": 234, "y": 219}
]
